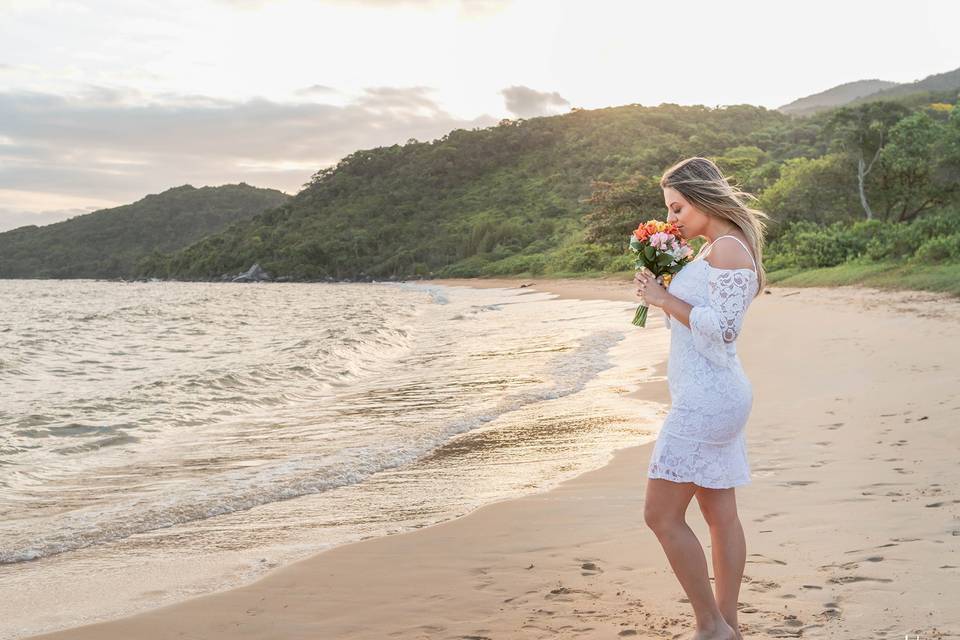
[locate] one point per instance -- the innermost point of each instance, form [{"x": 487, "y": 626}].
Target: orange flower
[{"x": 650, "y": 227}]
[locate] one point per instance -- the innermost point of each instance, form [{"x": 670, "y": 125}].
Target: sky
[{"x": 105, "y": 101}]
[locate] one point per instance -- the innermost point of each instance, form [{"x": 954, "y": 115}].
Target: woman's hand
[{"x": 649, "y": 289}]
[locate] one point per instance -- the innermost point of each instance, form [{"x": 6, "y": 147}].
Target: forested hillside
[
  {"x": 558, "y": 195},
  {"x": 834, "y": 97},
  {"x": 504, "y": 199},
  {"x": 938, "y": 87},
  {"x": 108, "y": 243},
  {"x": 940, "y": 82}
]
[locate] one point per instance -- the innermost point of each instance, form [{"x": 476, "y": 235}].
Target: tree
[
  {"x": 821, "y": 190},
  {"x": 862, "y": 132},
  {"x": 618, "y": 207},
  {"x": 912, "y": 162}
]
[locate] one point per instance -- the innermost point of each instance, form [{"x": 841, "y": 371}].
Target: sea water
[{"x": 161, "y": 440}]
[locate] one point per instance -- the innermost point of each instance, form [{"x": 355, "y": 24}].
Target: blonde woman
[{"x": 701, "y": 448}]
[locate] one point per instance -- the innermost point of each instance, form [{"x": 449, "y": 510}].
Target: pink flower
[{"x": 660, "y": 240}]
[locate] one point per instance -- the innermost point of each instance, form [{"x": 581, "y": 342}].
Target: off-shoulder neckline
[
  {"x": 704, "y": 261},
  {"x": 709, "y": 246}
]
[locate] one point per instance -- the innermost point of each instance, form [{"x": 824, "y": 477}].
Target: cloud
[
  {"x": 118, "y": 145},
  {"x": 527, "y": 103},
  {"x": 316, "y": 89},
  {"x": 468, "y": 8},
  {"x": 247, "y": 4},
  {"x": 13, "y": 218}
]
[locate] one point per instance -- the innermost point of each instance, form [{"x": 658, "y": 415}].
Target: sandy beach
[{"x": 852, "y": 518}]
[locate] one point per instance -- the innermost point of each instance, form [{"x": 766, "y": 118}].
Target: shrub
[
  {"x": 939, "y": 249},
  {"x": 534, "y": 264},
  {"x": 468, "y": 268},
  {"x": 822, "y": 248},
  {"x": 621, "y": 262},
  {"x": 579, "y": 257},
  {"x": 860, "y": 234},
  {"x": 893, "y": 242},
  {"x": 942, "y": 223}
]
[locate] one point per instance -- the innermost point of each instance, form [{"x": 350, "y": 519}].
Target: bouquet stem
[{"x": 640, "y": 317}]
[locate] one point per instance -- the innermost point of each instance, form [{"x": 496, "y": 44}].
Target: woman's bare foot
[{"x": 722, "y": 631}]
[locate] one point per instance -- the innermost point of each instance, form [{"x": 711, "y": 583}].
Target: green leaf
[{"x": 664, "y": 259}]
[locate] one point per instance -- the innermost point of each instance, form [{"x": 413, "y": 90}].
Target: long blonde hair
[{"x": 702, "y": 183}]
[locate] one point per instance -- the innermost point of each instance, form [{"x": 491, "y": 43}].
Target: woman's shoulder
[{"x": 727, "y": 253}]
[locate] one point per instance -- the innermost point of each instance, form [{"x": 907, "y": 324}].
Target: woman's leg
[
  {"x": 664, "y": 511},
  {"x": 729, "y": 547}
]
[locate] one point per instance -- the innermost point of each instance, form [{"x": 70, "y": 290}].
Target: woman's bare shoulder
[{"x": 727, "y": 253}]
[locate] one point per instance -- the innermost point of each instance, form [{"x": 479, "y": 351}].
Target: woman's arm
[
  {"x": 677, "y": 309},
  {"x": 727, "y": 255}
]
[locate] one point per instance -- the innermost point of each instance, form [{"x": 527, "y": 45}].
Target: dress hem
[{"x": 656, "y": 476}]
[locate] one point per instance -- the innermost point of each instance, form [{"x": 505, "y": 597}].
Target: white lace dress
[{"x": 702, "y": 439}]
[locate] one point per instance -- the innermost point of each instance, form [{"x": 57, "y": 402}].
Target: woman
[{"x": 701, "y": 449}]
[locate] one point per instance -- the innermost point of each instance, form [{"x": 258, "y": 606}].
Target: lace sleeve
[{"x": 716, "y": 324}]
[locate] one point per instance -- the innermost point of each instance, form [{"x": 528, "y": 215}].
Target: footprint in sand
[
  {"x": 791, "y": 620},
  {"x": 791, "y": 629},
  {"x": 762, "y": 559},
  {"x": 830, "y": 612},
  {"x": 849, "y": 579},
  {"x": 845, "y": 566},
  {"x": 588, "y": 567},
  {"x": 763, "y": 585},
  {"x": 797, "y": 483},
  {"x": 430, "y": 628},
  {"x": 566, "y": 594},
  {"x": 940, "y": 504},
  {"x": 767, "y": 516}
]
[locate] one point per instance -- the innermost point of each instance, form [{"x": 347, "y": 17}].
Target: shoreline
[{"x": 578, "y": 560}]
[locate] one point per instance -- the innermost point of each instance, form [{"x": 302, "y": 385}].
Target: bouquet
[{"x": 659, "y": 247}]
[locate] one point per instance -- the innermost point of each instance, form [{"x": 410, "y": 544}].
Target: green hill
[
  {"x": 109, "y": 242},
  {"x": 488, "y": 200},
  {"x": 948, "y": 83},
  {"x": 863, "y": 185},
  {"x": 877, "y": 183},
  {"x": 940, "y": 87},
  {"x": 834, "y": 97}
]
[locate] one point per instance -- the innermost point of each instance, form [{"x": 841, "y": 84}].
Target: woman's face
[{"x": 690, "y": 220}]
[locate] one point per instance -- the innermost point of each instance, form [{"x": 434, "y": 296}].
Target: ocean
[{"x": 161, "y": 440}]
